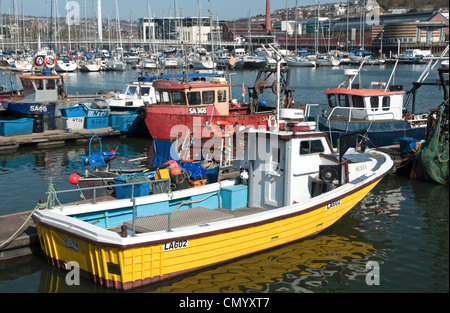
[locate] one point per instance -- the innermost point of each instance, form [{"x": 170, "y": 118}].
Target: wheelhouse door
[{"x": 274, "y": 175}]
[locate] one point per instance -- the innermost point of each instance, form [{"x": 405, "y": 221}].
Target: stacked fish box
[
  {"x": 21, "y": 126},
  {"x": 73, "y": 117},
  {"x": 96, "y": 114}
]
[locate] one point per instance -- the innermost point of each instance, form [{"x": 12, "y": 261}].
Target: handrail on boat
[{"x": 94, "y": 189}]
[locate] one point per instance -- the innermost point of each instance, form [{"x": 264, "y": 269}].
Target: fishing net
[{"x": 433, "y": 153}]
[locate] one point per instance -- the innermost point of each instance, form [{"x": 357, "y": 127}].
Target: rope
[
  {"x": 38, "y": 206},
  {"x": 51, "y": 197}
]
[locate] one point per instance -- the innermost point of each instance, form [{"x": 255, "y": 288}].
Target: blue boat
[
  {"x": 42, "y": 90},
  {"x": 41, "y": 94},
  {"x": 379, "y": 109}
]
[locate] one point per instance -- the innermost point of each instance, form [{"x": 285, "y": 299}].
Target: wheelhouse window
[
  {"x": 145, "y": 91},
  {"x": 165, "y": 99},
  {"x": 39, "y": 84},
  {"x": 27, "y": 84},
  {"x": 386, "y": 103},
  {"x": 194, "y": 98},
  {"x": 178, "y": 98},
  {"x": 374, "y": 102},
  {"x": 311, "y": 146},
  {"x": 332, "y": 101},
  {"x": 358, "y": 102},
  {"x": 343, "y": 101},
  {"x": 338, "y": 100},
  {"x": 131, "y": 90},
  {"x": 50, "y": 84},
  {"x": 208, "y": 97},
  {"x": 222, "y": 95}
]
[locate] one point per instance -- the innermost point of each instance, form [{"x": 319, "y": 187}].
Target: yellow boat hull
[{"x": 133, "y": 265}]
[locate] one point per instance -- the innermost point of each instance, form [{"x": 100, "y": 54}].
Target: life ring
[
  {"x": 49, "y": 61},
  {"x": 222, "y": 129},
  {"x": 142, "y": 112},
  {"x": 39, "y": 60}
]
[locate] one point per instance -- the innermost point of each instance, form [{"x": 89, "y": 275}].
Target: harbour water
[{"x": 401, "y": 229}]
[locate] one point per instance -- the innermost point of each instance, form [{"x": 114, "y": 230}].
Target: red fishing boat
[{"x": 182, "y": 104}]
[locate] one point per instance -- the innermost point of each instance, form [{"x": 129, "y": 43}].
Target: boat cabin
[
  {"x": 134, "y": 95},
  {"x": 369, "y": 104},
  {"x": 291, "y": 167},
  {"x": 197, "y": 95},
  {"x": 365, "y": 104},
  {"x": 42, "y": 88}
]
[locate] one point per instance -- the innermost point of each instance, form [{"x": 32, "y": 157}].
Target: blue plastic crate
[
  {"x": 96, "y": 122},
  {"x": 234, "y": 197},
  {"x": 75, "y": 111},
  {"x": 22, "y": 126},
  {"x": 124, "y": 192},
  {"x": 407, "y": 144}
]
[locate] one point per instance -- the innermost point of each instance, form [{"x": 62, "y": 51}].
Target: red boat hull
[{"x": 167, "y": 122}]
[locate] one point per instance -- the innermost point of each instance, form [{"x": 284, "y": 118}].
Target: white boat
[
  {"x": 171, "y": 62},
  {"x": 251, "y": 61},
  {"x": 91, "y": 66},
  {"x": 66, "y": 65},
  {"x": 133, "y": 96},
  {"x": 115, "y": 64},
  {"x": 414, "y": 56},
  {"x": 204, "y": 62},
  {"x": 301, "y": 62},
  {"x": 327, "y": 60},
  {"x": 131, "y": 58},
  {"x": 22, "y": 65},
  {"x": 148, "y": 63}
]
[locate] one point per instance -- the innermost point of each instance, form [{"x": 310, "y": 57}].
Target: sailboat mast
[{"x": 99, "y": 23}]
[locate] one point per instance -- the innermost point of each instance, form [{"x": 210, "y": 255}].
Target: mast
[
  {"x": 68, "y": 28},
  {"x": 99, "y": 23},
  {"x": 118, "y": 25},
  {"x": 150, "y": 33}
]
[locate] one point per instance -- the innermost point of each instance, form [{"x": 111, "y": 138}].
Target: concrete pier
[
  {"x": 57, "y": 137},
  {"x": 25, "y": 242}
]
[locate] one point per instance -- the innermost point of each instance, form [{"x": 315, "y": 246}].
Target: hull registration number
[{"x": 179, "y": 244}]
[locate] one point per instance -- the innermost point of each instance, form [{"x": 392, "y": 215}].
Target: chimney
[{"x": 268, "y": 26}]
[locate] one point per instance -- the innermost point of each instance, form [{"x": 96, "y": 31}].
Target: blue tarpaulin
[
  {"x": 164, "y": 152},
  {"x": 197, "y": 171}
]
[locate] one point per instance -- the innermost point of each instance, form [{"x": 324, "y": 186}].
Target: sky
[{"x": 222, "y": 9}]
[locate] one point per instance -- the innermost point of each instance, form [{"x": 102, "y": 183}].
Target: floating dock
[{"x": 57, "y": 137}]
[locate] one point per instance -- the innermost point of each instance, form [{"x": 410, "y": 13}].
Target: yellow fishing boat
[{"x": 292, "y": 184}]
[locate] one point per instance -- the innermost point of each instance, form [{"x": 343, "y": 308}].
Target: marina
[
  {"x": 240, "y": 78},
  {"x": 211, "y": 168}
]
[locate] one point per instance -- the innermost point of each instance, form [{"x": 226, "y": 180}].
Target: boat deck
[{"x": 188, "y": 217}]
